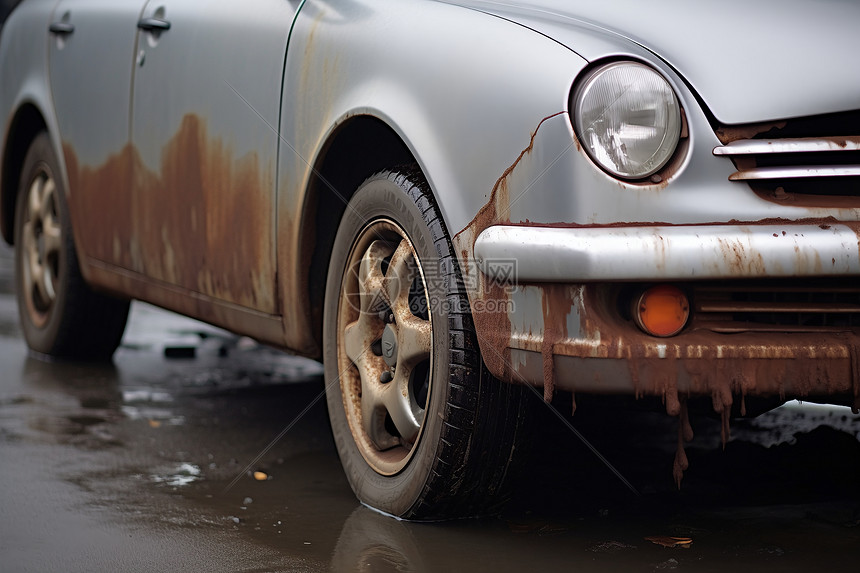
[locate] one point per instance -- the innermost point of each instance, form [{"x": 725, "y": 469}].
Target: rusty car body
[{"x": 208, "y": 153}]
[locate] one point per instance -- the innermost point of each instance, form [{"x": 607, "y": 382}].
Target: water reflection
[
  {"x": 373, "y": 542},
  {"x": 84, "y": 401},
  {"x": 77, "y": 379}
]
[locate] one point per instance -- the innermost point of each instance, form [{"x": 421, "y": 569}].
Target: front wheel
[
  {"x": 60, "y": 315},
  {"x": 422, "y": 429}
]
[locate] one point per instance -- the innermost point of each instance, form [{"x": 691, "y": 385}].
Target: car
[{"x": 453, "y": 205}]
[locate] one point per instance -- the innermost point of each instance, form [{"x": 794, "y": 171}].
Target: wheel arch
[
  {"x": 27, "y": 123},
  {"x": 345, "y": 160}
]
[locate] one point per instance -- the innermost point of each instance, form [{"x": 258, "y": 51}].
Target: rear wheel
[
  {"x": 422, "y": 429},
  {"x": 60, "y": 315}
]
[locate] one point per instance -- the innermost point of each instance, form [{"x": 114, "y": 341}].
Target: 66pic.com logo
[{"x": 392, "y": 285}]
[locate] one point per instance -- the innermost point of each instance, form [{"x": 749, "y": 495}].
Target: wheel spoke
[
  {"x": 370, "y": 278},
  {"x": 46, "y": 209},
  {"x": 51, "y": 234},
  {"x": 413, "y": 340},
  {"x": 35, "y": 197},
  {"x": 31, "y": 250},
  {"x": 31, "y": 255},
  {"x": 398, "y": 279},
  {"x": 354, "y": 339},
  {"x": 47, "y": 284},
  {"x": 44, "y": 288},
  {"x": 373, "y": 412},
  {"x": 400, "y": 404},
  {"x": 37, "y": 271}
]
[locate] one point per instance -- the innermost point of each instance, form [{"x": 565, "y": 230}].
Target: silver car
[{"x": 451, "y": 204}]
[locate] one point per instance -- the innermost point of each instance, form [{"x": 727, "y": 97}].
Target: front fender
[
  {"x": 400, "y": 61},
  {"x": 24, "y": 69}
]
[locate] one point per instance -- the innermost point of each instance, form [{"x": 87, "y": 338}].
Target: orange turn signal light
[{"x": 662, "y": 310}]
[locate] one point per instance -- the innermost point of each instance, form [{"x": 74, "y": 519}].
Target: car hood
[{"x": 748, "y": 60}]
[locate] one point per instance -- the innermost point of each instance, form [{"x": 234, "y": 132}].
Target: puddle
[
  {"x": 145, "y": 395},
  {"x": 96, "y": 403},
  {"x": 184, "y": 474},
  {"x": 85, "y": 421},
  {"x": 162, "y": 415}
]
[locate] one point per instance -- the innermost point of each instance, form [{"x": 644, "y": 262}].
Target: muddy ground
[{"x": 148, "y": 464}]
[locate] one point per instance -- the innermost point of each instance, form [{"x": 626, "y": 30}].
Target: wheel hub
[
  {"x": 384, "y": 347},
  {"x": 41, "y": 245},
  {"x": 389, "y": 345}
]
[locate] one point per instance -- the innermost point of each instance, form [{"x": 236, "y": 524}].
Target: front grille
[
  {"x": 801, "y": 157},
  {"x": 804, "y": 306}
]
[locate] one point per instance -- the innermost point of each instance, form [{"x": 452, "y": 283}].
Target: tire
[
  {"x": 439, "y": 439},
  {"x": 60, "y": 315}
]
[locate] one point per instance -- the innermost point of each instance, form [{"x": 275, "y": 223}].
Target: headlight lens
[{"x": 628, "y": 118}]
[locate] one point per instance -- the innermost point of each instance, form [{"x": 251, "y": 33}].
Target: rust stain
[
  {"x": 821, "y": 222},
  {"x": 491, "y": 300},
  {"x": 202, "y": 222},
  {"x": 696, "y": 363},
  {"x": 685, "y": 434},
  {"x": 855, "y": 375},
  {"x": 703, "y": 363},
  {"x": 497, "y": 209},
  {"x": 493, "y": 323},
  {"x": 728, "y": 133},
  {"x": 780, "y": 196},
  {"x": 557, "y": 303},
  {"x": 106, "y": 192}
]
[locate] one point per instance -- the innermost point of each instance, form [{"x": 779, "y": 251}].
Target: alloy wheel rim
[
  {"x": 41, "y": 239},
  {"x": 385, "y": 341}
]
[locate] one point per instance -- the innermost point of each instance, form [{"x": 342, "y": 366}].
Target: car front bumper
[
  {"x": 559, "y": 287},
  {"x": 657, "y": 253}
]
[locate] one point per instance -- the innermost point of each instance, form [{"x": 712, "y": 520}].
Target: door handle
[
  {"x": 61, "y": 28},
  {"x": 153, "y": 24}
]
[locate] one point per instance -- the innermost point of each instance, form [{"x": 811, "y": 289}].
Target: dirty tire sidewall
[
  {"x": 43, "y": 338},
  {"x": 381, "y": 197},
  {"x": 81, "y": 324}
]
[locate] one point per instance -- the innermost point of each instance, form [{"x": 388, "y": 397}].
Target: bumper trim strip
[{"x": 586, "y": 254}]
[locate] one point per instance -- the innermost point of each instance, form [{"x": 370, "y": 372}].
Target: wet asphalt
[{"x": 197, "y": 450}]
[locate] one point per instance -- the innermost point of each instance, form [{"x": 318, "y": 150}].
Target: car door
[
  {"x": 206, "y": 104},
  {"x": 91, "y": 57}
]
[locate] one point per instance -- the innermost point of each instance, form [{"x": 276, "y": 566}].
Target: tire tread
[{"x": 485, "y": 430}]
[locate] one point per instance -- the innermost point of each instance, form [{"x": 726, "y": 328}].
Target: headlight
[{"x": 628, "y": 119}]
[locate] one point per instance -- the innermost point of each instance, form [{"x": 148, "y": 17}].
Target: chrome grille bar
[
  {"x": 831, "y": 305},
  {"x": 738, "y": 327},
  {"x": 796, "y": 145},
  {"x": 811, "y": 158},
  {"x": 794, "y": 172}
]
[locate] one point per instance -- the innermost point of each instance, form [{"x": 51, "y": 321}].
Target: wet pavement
[{"x": 198, "y": 450}]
